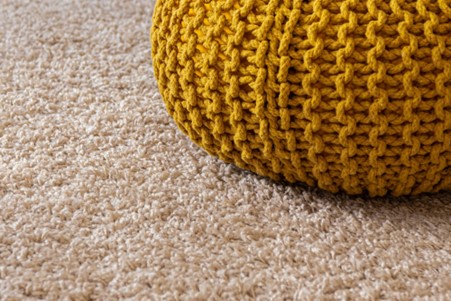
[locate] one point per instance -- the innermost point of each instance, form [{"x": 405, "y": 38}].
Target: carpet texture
[{"x": 102, "y": 197}]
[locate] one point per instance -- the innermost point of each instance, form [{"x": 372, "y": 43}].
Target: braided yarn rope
[{"x": 350, "y": 95}]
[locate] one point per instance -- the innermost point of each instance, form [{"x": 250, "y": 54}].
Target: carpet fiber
[{"x": 101, "y": 197}]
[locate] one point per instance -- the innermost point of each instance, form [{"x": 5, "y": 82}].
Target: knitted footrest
[{"x": 351, "y": 95}]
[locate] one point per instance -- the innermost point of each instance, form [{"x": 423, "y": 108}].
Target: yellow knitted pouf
[{"x": 346, "y": 95}]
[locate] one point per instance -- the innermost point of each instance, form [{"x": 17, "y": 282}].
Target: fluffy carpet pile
[{"x": 101, "y": 197}]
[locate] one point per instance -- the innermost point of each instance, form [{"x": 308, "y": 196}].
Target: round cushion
[{"x": 347, "y": 95}]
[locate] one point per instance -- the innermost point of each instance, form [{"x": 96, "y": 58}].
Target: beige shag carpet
[{"x": 102, "y": 198}]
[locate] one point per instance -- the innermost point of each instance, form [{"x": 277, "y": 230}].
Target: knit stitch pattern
[{"x": 347, "y": 95}]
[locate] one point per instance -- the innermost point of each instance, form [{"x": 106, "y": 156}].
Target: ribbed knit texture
[{"x": 350, "y": 95}]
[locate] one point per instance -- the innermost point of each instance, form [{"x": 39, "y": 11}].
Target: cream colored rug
[{"x": 102, "y": 198}]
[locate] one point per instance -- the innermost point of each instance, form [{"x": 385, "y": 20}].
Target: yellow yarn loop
[{"x": 351, "y": 95}]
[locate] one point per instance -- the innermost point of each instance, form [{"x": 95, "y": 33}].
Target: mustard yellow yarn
[{"x": 351, "y": 95}]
